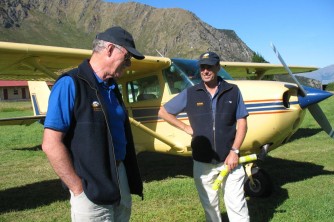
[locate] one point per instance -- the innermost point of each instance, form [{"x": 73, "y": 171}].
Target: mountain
[
  {"x": 74, "y": 23},
  {"x": 324, "y": 75}
]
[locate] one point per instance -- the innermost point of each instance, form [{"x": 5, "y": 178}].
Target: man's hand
[
  {"x": 232, "y": 160},
  {"x": 188, "y": 129}
]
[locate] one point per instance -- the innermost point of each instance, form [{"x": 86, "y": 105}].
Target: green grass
[
  {"x": 11, "y": 109},
  {"x": 330, "y": 87},
  {"x": 302, "y": 172}
]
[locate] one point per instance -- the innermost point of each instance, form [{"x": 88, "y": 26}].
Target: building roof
[
  {"x": 13, "y": 83},
  {"x": 9, "y": 83}
]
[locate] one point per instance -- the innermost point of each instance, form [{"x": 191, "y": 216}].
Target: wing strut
[
  {"x": 288, "y": 70},
  {"x": 178, "y": 148},
  {"x": 33, "y": 61}
]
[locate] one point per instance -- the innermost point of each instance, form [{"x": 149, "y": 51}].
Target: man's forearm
[
  {"x": 241, "y": 133},
  {"x": 63, "y": 166},
  {"x": 171, "y": 119},
  {"x": 60, "y": 160}
]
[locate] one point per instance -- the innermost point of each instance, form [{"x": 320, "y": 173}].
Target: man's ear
[
  {"x": 110, "y": 49},
  {"x": 218, "y": 66}
]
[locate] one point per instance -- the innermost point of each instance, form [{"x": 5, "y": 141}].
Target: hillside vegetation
[{"x": 74, "y": 23}]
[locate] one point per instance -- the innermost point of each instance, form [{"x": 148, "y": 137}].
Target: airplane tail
[{"x": 39, "y": 94}]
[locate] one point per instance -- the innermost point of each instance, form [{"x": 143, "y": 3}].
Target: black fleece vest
[
  {"x": 213, "y": 135},
  {"x": 90, "y": 143}
]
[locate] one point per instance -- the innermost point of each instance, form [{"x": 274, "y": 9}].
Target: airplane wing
[
  {"x": 258, "y": 70},
  {"x": 38, "y": 63},
  {"x": 19, "y": 61}
]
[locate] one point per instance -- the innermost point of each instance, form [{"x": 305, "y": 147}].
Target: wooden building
[{"x": 15, "y": 90}]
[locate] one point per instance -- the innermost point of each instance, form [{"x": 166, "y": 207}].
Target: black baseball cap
[
  {"x": 208, "y": 58},
  {"x": 120, "y": 36}
]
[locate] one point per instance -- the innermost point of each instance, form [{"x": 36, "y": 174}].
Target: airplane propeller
[
  {"x": 309, "y": 98},
  {"x": 321, "y": 119}
]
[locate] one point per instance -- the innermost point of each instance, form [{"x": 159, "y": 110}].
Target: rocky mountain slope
[{"x": 74, "y": 23}]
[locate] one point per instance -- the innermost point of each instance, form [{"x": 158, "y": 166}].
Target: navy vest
[
  {"x": 90, "y": 143},
  {"x": 213, "y": 134}
]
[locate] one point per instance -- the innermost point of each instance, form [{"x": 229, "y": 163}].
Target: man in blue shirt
[
  {"x": 87, "y": 136},
  {"x": 218, "y": 125}
]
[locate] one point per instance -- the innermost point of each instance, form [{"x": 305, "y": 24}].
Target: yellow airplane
[{"x": 276, "y": 108}]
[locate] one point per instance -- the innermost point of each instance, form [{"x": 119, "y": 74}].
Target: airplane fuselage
[{"x": 274, "y": 111}]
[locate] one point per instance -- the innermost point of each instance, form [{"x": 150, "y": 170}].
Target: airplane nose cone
[{"x": 313, "y": 96}]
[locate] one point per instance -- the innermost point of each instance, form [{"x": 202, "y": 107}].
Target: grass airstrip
[{"x": 302, "y": 172}]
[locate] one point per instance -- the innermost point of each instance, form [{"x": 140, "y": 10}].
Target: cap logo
[{"x": 205, "y": 56}]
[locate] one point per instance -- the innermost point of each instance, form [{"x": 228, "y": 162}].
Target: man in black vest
[
  {"x": 218, "y": 125},
  {"x": 87, "y": 135}
]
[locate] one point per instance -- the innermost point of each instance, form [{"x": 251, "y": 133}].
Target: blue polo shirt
[{"x": 61, "y": 105}]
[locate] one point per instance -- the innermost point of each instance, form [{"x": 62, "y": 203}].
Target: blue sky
[{"x": 301, "y": 30}]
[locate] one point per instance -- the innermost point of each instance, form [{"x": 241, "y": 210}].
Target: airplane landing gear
[{"x": 258, "y": 184}]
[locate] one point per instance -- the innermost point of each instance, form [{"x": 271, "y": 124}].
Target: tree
[{"x": 257, "y": 57}]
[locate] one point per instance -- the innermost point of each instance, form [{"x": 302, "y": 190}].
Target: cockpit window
[
  {"x": 142, "y": 89},
  {"x": 176, "y": 79},
  {"x": 184, "y": 73}
]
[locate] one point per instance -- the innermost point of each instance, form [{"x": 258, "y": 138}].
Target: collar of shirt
[
  {"x": 217, "y": 90},
  {"x": 115, "y": 113},
  {"x": 104, "y": 84},
  {"x": 214, "y": 98}
]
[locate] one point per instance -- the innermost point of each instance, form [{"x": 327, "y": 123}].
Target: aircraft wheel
[{"x": 262, "y": 186}]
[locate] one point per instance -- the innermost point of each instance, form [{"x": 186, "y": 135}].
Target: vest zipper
[
  {"x": 214, "y": 128},
  {"x": 109, "y": 132},
  {"x": 214, "y": 116},
  {"x": 213, "y": 122}
]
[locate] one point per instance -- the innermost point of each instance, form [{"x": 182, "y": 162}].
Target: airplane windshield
[{"x": 184, "y": 73}]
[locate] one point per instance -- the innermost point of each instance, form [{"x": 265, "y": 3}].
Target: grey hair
[{"x": 99, "y": 45}]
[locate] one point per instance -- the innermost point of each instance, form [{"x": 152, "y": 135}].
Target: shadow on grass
[
  {"x": 34, "y": 148},
  {"x": 155, "y": 166},
  {"x": 282, "y": 172},
  {"x": 32, "y": 196},
  {"x": 303, "y": 133}
]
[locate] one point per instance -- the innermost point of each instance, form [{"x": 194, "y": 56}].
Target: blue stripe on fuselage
[{"x": 151, "y": 113}]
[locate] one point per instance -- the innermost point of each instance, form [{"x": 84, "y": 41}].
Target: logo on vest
[
  {"x": 96, "y": 106},
  {"x": 200, "y": 104}
]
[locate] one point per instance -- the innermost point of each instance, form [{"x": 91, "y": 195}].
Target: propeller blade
[
  {"x": 309, "y": 101},
  {"x": 288, "y": 70},
  {"x": 321, "y": 119}
]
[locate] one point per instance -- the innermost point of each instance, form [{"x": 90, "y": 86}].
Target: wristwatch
[{"x": 237, "y": 151}]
